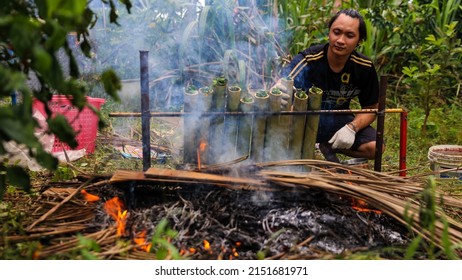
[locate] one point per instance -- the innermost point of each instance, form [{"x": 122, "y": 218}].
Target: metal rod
[
  {"x": 182, "y": 114},
  {"x": 145, "y": 111},
  {"x": 403, "y": 143},
  {"x": 380, "y": 124}
]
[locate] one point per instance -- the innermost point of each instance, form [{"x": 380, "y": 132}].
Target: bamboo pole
[
  {"x": 285, "y": 121},
  {"x": 258, "y": 132},
  {"x": 284, "y": 112},
  {"x": 191, "y": 95},
  {"x": 245, "y": 126},
  {"x": 216, "y": 133},
  {"x": 231, "y": 122},
  {"x": 298, "y": 125},
  {"x": 312, "y": 122},
  {"x": 202, "y": 150},
  {"x": 275, "y": 129}
]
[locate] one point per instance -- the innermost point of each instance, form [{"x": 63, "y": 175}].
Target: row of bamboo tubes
[{"x": 212, "y": 139}]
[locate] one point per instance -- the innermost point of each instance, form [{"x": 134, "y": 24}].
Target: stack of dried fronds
[{"x": 401, "y": 198}]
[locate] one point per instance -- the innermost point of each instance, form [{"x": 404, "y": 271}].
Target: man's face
[{"x": 344, "y": 35}]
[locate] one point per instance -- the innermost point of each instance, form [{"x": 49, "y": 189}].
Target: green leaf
[
  {"x": 18, "y": 177},
  {"x": 24, "y": 34},
  {"x": 85, "y": 47},
  {"x": 433, "y": 70},
  {"x": 128, "y": 5},
  {"x": 57, "y": 38},
  {"x": 431, "y": 38},
  {"x": 14, "y": 129},
  {"x": 161, "y": 253},
  {"x": 42, "y": 60},
  {"x": 409, "y": 71},
  {"x": 111, "y": 83},
  {"x": 412, "y": 248},
  {"x": 46, "y": 160},
  {"x": 60, "y": 127}
]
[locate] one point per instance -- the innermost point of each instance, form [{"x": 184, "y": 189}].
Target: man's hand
[{"x": 343, "y": 138}]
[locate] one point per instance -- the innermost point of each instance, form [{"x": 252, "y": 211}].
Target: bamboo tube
[
  {"x": 288, "y": 83},
  {"x": 285, "y": 121},
  {"x": 298, "y": 125},
  {"x": 258, "y": 133},
  {"x": 190, "y": 125},
  {"x": 312, "y": 122},
  {"x": 275, "y": 129},
  {"x": 205, "y": 103},
  {"x": 216, "y": 132},
  {"x": 245, "y": 126},
  {"x": 230, "y": 133}
]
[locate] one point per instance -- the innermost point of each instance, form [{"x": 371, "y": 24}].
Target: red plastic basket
[{"x": 84, "y": 123}]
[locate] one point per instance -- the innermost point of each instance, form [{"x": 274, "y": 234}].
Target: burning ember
[{"x": 207, "y": 245}]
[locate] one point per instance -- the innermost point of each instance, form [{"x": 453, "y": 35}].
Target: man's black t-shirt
[{"x": 357, "y": 79}]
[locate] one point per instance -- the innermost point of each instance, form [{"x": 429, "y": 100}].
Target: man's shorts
[{"x": 329, "y": 124}]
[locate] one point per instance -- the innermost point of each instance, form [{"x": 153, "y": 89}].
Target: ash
[{"x": 251, "y": 224}]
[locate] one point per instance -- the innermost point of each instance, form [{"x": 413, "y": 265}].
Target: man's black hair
[{"x": 354, "y": 14}]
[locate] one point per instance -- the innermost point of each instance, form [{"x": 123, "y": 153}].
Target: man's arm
[{"x": 362, "y": 120}]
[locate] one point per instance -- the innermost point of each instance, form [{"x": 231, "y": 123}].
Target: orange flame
[
  {"x": 89, "y": 197},
  {"x": 200, "y": 149},
  {"x": 362, "y": 206},
  {"x": 140, "y": 239},
  {"x": 114, "y": 208}
]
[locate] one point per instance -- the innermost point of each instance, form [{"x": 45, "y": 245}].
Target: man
[{"x": 343, "y": 74}]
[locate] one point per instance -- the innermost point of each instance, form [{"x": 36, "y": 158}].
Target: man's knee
[{"x": 368, "y": 149}]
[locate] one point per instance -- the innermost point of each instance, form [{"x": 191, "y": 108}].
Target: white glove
[
  {"x": 285, "y": 101},
  {"x": 343, "y": 138}
]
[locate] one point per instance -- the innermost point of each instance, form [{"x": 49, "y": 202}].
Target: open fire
[{"x": 220, "y": 223}]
